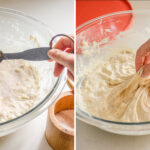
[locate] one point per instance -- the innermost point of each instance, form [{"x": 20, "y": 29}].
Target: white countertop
[
  {"x": 59, "y": 16},
  {"x": 92, "y": 138}
]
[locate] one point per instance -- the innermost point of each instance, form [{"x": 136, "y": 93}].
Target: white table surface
[
  {"x": 92, "y": 138},
  {"x": 59, "y": 16}
]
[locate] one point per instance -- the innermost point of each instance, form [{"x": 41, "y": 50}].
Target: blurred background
[{"x": 58, "y": 14}]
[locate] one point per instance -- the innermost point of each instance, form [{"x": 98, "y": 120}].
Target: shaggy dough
[
  {"x": 114, "y": 91},
  {"x": 19, "y": 86}
]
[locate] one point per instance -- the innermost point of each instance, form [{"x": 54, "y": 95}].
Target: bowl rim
[
  {"x": 13, "y": 124},
  {"x": 83, "y": 115},
  {"x": 112, "y": 14}
]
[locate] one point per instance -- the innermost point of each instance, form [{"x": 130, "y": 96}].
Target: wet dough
[
  {"x": 19, "y": 86},
  {"x": 114, "y": 91}
]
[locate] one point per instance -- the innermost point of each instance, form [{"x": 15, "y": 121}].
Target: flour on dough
[{"x": 19, "y": 87}]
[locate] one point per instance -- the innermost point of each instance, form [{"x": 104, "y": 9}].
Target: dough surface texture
[
  {"x": 19, "y": 87},
  {"x": 112, "y": 90}
]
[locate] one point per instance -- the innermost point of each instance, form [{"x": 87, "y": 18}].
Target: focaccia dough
[
  {"x": 113, "y": 90},
  {"x": 19, "y": 86}
]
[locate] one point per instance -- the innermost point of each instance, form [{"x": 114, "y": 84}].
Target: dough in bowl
[
  {"x": 19, "y": 87},
  {"x": 113, "y": 90}
]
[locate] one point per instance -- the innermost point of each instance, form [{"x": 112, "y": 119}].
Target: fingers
[
  {"x": 142, "y": 52},
  {"x": 58, "y": 69},
  {"x": 146, "y": 70},
  {"x": 63, "y": 58},
  {"x": 64, "y": 43},
  {"x": 139, "y": 60}
]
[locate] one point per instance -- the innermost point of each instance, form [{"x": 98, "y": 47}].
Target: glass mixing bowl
[
  {"x": 126, "y": 29},
  {"x": 19, "y": 32}
]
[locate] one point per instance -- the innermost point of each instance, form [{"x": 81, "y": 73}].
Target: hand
[
  {"x": 63, "y": 59},
  {"x": 143, "y": 59}
]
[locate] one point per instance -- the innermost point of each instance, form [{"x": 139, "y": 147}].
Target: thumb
[{"x": 63, "y": 58}]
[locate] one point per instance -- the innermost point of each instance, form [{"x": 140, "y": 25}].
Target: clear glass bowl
[
  {"x": 18, "y": 31},
  {"x": 122, "y": 29}
]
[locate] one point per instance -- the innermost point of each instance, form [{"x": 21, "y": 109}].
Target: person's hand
[
  {"x": 143, "y": 59},
  {"x": 63, "y": 59}
]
